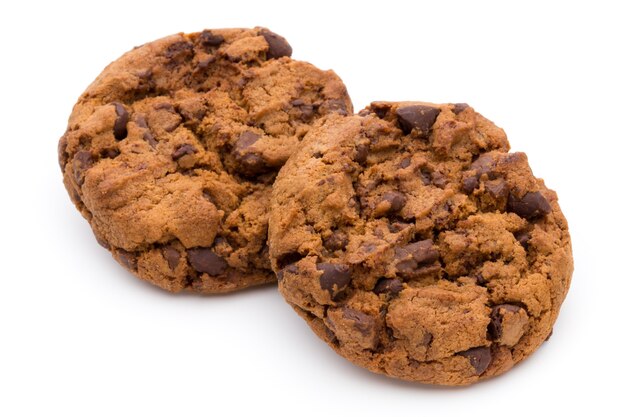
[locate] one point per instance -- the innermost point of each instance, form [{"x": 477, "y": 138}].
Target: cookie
[
  {"x": 170, "y": 154},
  {"x": 416, "y": 246}
]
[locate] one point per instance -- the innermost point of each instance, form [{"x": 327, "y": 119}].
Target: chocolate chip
[
  {"x": 479, "y": 357},
  {"x": 469, "y": 184},
  {"x": 109, "y": 153},
  {"x": 128, "y": 259},
  {"x": 549, "y": 335},
  {"x": 414, "y": 256},
  {"x": 361, "y": 152},
  {"x": 119, "y": 127},
  {"x": 388, "y": 286},
  {"x": 148, "y": 137},
  {"x": 338, "y": 240},
  {"x": 423, "y": 251},
  {"x": 82, "y": 161},
  {"x": 404, "y": 163},
  {"x": 246, "y": 139},
  {"x": 172, "y": 256},
  {"x": 522, "y": 237},
  {"x": 480, "y": 280},
  {"x": 334, "y": 279},
  {"x": 498, "y": 189},
  {"x": 459, "y": 107},
  {"x": 484, "y": 164},
  {"x": 425, "y": 175},
  {"x": 179, "y": 51},
  {"x": 207, "y": 38},
  {"x": 532, "y": 205},
  {"x": 292, "y": 269},
  {"x": 250, "y": 162},
  {"x": 364, "y": 323},
  {"x": 278, "y": 46},
  {"x": 205, "y": 260},
  {"x": 102, "y": 242},
  {"x": 495, "y": 326},
  {"x": 183, "y": 150},
  {"x": 417, "y": 117},
  {"x": 396, "y": 227},
  {"x": 396, "y": 200}
]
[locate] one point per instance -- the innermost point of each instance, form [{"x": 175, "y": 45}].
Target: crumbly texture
[
  {"x": 170, "y": 154},
  {"x": 416, "y": 246}
]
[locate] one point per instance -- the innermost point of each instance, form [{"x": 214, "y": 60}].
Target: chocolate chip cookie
[
  {"x": 170, "y": 154},
  {"x": 416, "y": 246}
]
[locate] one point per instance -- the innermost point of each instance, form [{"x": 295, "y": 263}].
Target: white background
[{"x": 79, "y": 336}]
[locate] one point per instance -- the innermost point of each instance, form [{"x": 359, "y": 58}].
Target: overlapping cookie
[
  {"x": 170, "y": 154},
  {"x": 417, "y": 246}
]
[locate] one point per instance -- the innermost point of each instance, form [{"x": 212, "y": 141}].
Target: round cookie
[
  {"x": 416, "y": 246},
  {"x": 170, "y": 154}
]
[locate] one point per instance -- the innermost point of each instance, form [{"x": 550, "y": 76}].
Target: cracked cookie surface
[
  {"x": 170, "y": 154},
  {"x": 417, "y": 246}
]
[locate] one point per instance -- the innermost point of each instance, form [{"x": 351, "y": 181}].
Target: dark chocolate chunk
[
  {"x": 479, "y": 357},
  {"x": 414, "y": 258},
  {"x": 338, "y": 240},
  {"x": 128, "y": 259},
  {"x": 530, "y": 206},
  {"x": 495, "y": 326},
  {"x": 498, "y": 189},
  {"x": 364, "y": 323},
  {"x": 334, "y": 279},
  {"x": 207, "y": 38},
  {"x": 205, "y": 260},
  {"x": 396, "y": 200},
  {"x": 396, "y": 227},
  {"x": 522, "y": 237},
  {"x": 425, "y": 175},
  {"x": 417, "y": 117},
  {"x": 179, "y": 52},
  {"x": 459, "y": 107},
  {"x": 423, "y": 251},
  {"x": 148, "y": 137},
  {"x": 404, "y": 163},
  {"x": 388, "y": 286},
  {"x": 109, "y": 153},
  {"x": 250, "y": 162},
  {"x": 82, "y": 161},
  {"x": 480, "y": 280},
  {"x": 172, "y": 256},
  {"x": 183, "y": 150},
  {"x": 469, "y": 184},
  {"x": 278, "y": 46},
  {"x": 119, "y": 127},
  {"x": 484, "y": 165},
  {"x": 245, "y": 140},
  {"x": 292, "y": 269},
  {"x": 361, "y": 152}
]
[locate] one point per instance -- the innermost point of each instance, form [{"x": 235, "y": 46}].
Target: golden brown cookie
[
  {"x": 170, "y": 154},
  {"x": 416, "y": 246}
]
